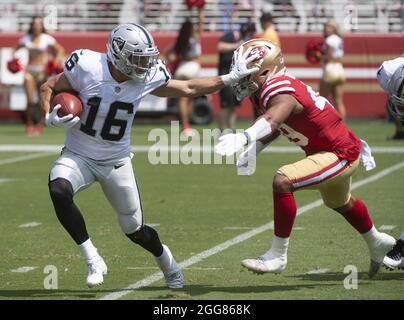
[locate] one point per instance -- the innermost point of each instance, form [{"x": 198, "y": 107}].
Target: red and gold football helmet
[{"x": 270, "y": 63}]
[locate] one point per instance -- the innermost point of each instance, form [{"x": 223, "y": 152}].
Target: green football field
[{"x": 209, "y": 216}]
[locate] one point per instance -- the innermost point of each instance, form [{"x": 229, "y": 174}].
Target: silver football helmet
[
  {"x": 396, "y": 93},
  {"x": 132, "y": 50}
]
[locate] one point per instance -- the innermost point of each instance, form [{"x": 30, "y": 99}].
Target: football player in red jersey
[{"x": 293, "y": 109}]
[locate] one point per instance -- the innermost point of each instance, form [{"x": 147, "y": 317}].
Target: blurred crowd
[{"x": 167, "y": 15}]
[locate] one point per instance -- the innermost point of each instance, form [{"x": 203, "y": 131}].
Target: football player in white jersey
[
  {"x": 391, "y": 78},
  {"x": 97, "y": 145}
]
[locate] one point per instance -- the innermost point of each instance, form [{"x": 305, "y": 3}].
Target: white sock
[
  {"x": 371, "y": 236},
  {"x": 166, "y": 261},
  {"x": 402, "y": 236},
  {"x": 88, "y": 250},
  {"x": 280, "y": 245}
]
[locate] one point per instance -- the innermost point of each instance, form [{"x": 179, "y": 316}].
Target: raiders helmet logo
[{"x": 117, "y": 44}]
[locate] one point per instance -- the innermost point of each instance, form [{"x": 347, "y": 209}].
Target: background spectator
[
  {"x": 268, "y": 29},
  {"x": 226, "y": 46},
  {"x": 333, "y": 77},
  {"x": 39, "y": 45},
  {"x": 187, "y": 50}
]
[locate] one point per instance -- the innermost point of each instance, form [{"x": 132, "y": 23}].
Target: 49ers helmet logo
[{"x": 259, "y": 51}]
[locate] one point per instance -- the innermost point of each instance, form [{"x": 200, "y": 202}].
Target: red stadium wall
[{"x": 363, "y": 55}]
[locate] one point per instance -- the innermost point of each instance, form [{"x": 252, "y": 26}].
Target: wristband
[{"x": 259, "y": 130}]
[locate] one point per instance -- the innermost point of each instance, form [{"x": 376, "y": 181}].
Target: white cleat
[
  {"x": 171, "y": 269},
  {"x": 378, "y": 251},
  {"x": 96, "y": 271},
  {"x": 175, "y": 280},
  {"x": 266, "y": 264}
]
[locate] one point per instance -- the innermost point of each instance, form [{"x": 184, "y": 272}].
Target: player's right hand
[{"x": 53, "y": 120}]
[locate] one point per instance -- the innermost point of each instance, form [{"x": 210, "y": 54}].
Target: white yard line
[
  {"x": 5, "y": 180},
  {"x": 205, "y": 149},
  {"x": 23, "y": 269},
  {"x": 318, "y": 271},
  {"x": 387, "y": 227},
  {"x": 30, "y": 225},
  {"x": 25, "y": 158},
  {"x": 242, "y": 237},
  {"x": 30, "y": 147}
]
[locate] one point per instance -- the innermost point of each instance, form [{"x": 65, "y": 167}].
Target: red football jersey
[{"x": 318, "y": 127}]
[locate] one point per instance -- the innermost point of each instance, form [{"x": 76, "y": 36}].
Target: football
[{"x": 70, "y": 103}]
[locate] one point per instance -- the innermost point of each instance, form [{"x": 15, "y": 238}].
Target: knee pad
[
  {"x": 61, "y": 191},
  {"x": 129, "y": 224}
]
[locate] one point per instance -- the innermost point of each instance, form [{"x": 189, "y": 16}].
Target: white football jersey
[
  {"x": 108, "y": 106},
  {"x": 387, "y": 73}
]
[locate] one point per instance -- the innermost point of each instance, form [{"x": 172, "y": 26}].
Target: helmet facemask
[
  {"x": 396, "y": 93},
  {"x": 396, "y": 106},
  {"x": 139, "y": 67}
]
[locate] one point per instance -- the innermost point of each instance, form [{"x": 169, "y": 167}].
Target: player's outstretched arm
[
  {"x": 202, "y": 86},
  {"x": 265, "y": 128},
  {"x": 189, "y": 88}
]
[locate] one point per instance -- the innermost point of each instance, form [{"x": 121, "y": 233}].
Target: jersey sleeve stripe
[
  {"x": 283, "y": 89},
  {"x": 274, "y": 85}
]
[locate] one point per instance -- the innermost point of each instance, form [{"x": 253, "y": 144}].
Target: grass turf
[{"x": 196, "y": 207}]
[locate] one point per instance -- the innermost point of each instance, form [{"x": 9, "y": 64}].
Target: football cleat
[
  {"x": 395, "y": 257},
  {"x": 96, "y": 271},
  {"x": 171, "y": 269},
  {"x": 175, "y": 280},
  {"x": 268, "y": 263},
  {"x": 378, "y": 251}
]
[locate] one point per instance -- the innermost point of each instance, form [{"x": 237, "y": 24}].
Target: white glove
[
  {"x": 53, "y": 120},
  {"x": 239, "y": 68},
  {"x": 230, "y": 143},
  {"x": 250, "y": 153}
]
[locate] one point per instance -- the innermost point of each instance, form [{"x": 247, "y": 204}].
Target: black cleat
[{"x": 395, "y": 257}]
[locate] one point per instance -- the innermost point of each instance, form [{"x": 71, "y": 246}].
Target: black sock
[{"x": 148, "y": 239}]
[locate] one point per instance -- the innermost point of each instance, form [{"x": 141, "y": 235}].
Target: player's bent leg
[
  {"x": 121, "y": 189},
  {"x": 275, "y": 259},
  {"x": 70, "y": 217},
  {"x": 69, "y": 175}
]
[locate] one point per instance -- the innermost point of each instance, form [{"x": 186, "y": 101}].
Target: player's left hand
[
  {"x": 230, "y": 143},
  {"x": 239, "y": 69}
]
